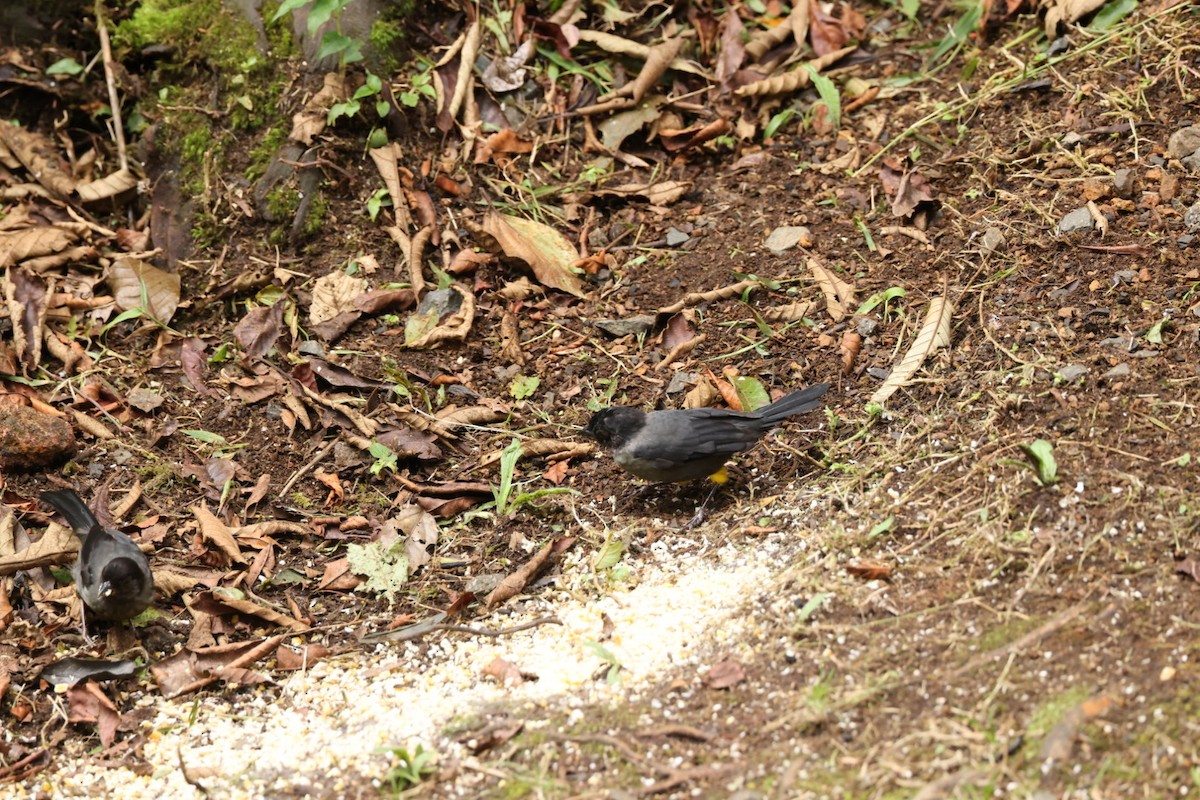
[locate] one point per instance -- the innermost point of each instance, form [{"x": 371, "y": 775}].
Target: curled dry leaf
[
  {"x": 444, "y": 315},
  {"x": 109, "y": 186},
  {"x": 850, "y": 347},
  {"x": 515, "y": 582},
  {"x": 696, "y": 298},
  {"x": 839, "y": 295},
  {"x": 545, "y": 250},
  {"x": 796, "y": 79},
  {"x": 795, "y": 26},
  {"x": 216, "y": 531},
  {"x": 792, "y": 312},
  {"x": 934, "y": 334},
  {"x": 191, "y": 669},
  {"x": 618, "y": 45}
]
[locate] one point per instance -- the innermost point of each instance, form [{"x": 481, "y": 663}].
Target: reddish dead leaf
[
  {"x": 261, "y": 487},
  {"x": 1189, "y": 567},
  {"x": 678, "y": 331},
  {"x": 676, "y": 140},
  {"x": 382, "y": 300},
  {"x": 215, "y": 531},
  {"x": 336, "y": 492},
  {"x": 908, "y": 189},
  {"x": 505, "y": 672},
  {"x": 258, "y": 331},
  {"x": 193, "y": 362},
  {"x": 725, "y": 674},
  {"x": 728, "y": 393},
  {"x": 293, "y": 658},
  {"x": 225, "y": 603},
  {"x": 557, "y": 472},
  {"x": 826, "y": 32},
  {"x": 338, "y": 577},
  {"x": 88, "y": 703},
  {"x": 870, "y": 570},
  {"x": 189, "y": 670}
]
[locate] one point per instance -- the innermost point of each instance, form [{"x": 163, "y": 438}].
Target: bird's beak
[{"x": 105, "y": 589}]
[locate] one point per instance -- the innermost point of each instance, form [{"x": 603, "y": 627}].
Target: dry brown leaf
[
  {"x": 109, "y": 186},
  {"x": 657, "y": 62},
  {"x": 618, "y": 45},
  {"x": 192, "y": 669},
  {"x": 934, "y": 334},
  {"x": 696, "y": 298},
  {"x": 516, "y": 581},
  {"x": 795, "y": 80},
  {"x": 215, "y": 531},
  {"x": 445, "y": 327},
  {"x": 41, "y": 240},
  {"x": 136, "y": 284},
  {"x": 38, "y": 155},
  {"x": 224, "y": 602},
  {"x": 58, "y": 545},
  {"x": 545, "y": 250},
  {"x": 334, "y": 294},
  {"x": 792, "y": 312},
  {"x": 313, "y": 118},
  {"x": 839, "y": 295},
  {"x": 1064, "y": 12}
]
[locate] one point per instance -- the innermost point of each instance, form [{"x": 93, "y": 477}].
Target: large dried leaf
[
  {"x": 42, "y": 240},
  {"x": 934, "y": 334},
  {"x": 192, "y": 669},
  {"x": 217, "y": 532},
  {"x": 312, "y": 119},
  {"x": 39, "y": 156},
  {"x": 445, "y": 315},
  {"x": 136, "y": 284},
  {"x": 335, "y": 294},
  {"x": 27, "y": 296},
  {"x": 618, "y": 45},
  {"x": 1064, "y": 12},
  {"x": 796, "y": 79},
  {"x": 545, "y": 250}
]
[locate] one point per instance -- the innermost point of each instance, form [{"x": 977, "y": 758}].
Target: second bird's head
[{"x": 614, "y": 426}]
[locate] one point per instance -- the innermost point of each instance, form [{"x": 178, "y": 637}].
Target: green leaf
[
  {"x": 1111, "y": 14},
  {"x": 811, "y": 606},
  {"x": 1041, "y": 453},
  {"x": 1154, "y": 335},
  {"x": 751, "y": 392},
  {"x": 609, "y": 555},
  {"x": 882, "y": 527},
  {"x": 208, "y": 437},
  {"x": 287, "y": 7},
  {"x": 320, "y": 12},
  {"x": 523, "y": 386},
  {"x": 65, "y": 66},
  {"x": 345, "y": 47},
  {"x": 778, "y": 121},
  {"x": 884, "y": 297},
  {"x": 830, "y": 96}
]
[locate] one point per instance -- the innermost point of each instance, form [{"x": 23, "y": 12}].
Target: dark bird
[
  {"x": 111, "y": 574},
  {"x": 677, "y": 446}
]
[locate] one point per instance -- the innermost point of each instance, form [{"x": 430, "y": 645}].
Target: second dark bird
[
  {"x": 112, "y": 574},
  {"x": 692, "y": 443}
]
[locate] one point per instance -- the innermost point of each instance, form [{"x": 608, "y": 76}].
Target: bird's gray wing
[{"x": 673, "y": 437}]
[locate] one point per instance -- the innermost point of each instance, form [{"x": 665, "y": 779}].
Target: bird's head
[{"x": 614, "y": 426}]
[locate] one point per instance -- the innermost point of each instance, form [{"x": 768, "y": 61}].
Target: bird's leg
[
  {"x": 87, "y": 640},
  {"x": 701, "y": 511}
]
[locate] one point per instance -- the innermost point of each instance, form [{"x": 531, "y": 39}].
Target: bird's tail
[
  {"x": 795, "y": 403},
  {"x": 68, "y": 503}
]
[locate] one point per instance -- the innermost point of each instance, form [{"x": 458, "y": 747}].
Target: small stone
[
  {"x": 145, "y": 400},
  {"x": 866, "y": 326},
  {"x": 786, "y": 237},
  {"x": 1186, "y": 240},
  {"x": 1123, "y": 183},
  {"x": 1072, "y": 372},
  {"x": 1184, "y": 142},
  {"x": 1191, "y": 217},
  {"x": 676, "y": 237},
  {"x": 681, "y": 381},
  {"x": 992, "y": 241},
  {"x": 625, "y": 327},
  {"x": 31, "y": 440},
  {"x": 1095, "y": 189},
  {"x": 1121, "y": 370},
  {"x": 1078, "y": 220}
]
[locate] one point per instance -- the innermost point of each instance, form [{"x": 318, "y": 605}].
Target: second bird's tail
[{"x": 795, "y": 403}]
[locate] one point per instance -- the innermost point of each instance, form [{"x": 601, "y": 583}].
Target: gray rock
[
  {"x": 992, "y": 241},
  {"x": 1078, "y": 220},
  {"x": 1123, "y": 183},
  {"x": 1073, "y": 372},
  {"x": 676, "y": 237},
  {"x": 1191, "y": 217},
  {"x": 866, "y": 326},
  {"x": 1184, "y": 142},
  {"x": 1121, "y": 370},
  {"x": 625, "y": 327},
  {"x": 786, "y": 237}
]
